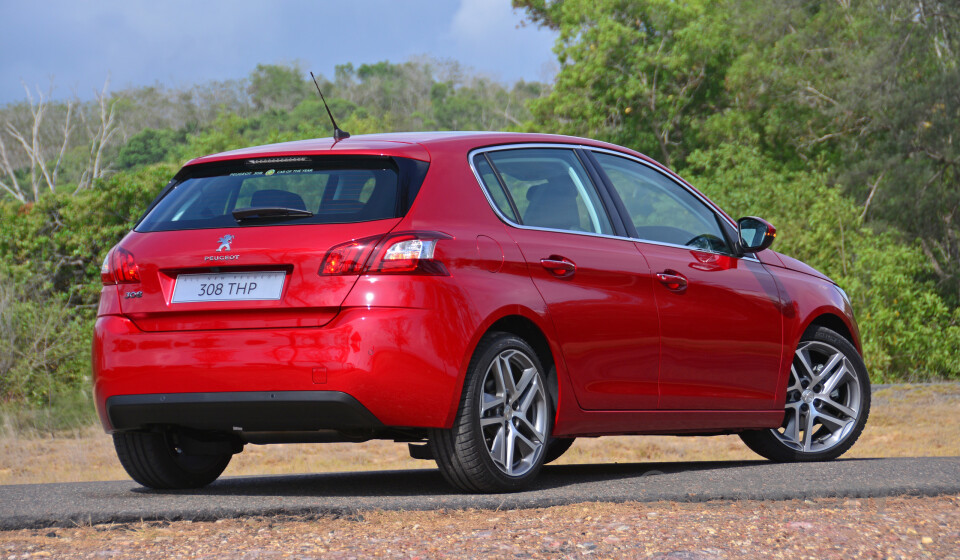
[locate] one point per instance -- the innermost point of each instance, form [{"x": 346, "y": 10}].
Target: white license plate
[{"x": 228, "y": 286}]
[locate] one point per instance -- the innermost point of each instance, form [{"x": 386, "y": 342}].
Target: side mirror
[{"x": 755, "y": 234}]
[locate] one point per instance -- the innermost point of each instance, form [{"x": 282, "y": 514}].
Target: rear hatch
[{"x": 240, "y": 244}]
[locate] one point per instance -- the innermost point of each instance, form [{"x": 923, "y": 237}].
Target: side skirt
[{"x": 665, "y": 422}]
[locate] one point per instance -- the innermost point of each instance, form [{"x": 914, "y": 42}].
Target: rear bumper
[
  {"x": 369, "y": 367},
  {"x": 252, "y": 411}
]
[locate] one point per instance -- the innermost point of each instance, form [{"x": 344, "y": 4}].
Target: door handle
[
  {"x": 559, "y": 266},
  {"x": 673, "y": 280}
]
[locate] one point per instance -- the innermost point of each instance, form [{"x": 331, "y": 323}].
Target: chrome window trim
[{"x": 672, "y": 176}]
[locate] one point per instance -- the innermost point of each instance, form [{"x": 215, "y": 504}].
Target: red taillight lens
[
  {"x": 348, "y": 258},
  {"x": 106, "y": 272},
  {"x": 125, "y": 269}
]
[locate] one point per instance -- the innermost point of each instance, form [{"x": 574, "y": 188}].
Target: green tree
[
  {"x": 147, "y": 147},
  {"x": 870, "y": 91},
  {"x": 642, "y": 74},
  {"x": 278, "y": 87},
  {"x": 834, "y": 119}
]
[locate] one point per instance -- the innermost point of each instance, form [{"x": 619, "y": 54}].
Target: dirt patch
[
  {"x": 906, "y": 421},
  {"x": 827, "y": 528}
]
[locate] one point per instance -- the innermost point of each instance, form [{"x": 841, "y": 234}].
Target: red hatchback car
[{"x": 487, "y": 297}]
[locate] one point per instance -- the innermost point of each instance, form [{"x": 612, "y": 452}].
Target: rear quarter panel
[{"x": 490, "y": 274}]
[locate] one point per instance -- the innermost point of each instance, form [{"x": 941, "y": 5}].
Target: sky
[{"x": 75, "y": 45}]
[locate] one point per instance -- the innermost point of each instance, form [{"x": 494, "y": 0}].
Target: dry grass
[{"x": 906, "y": 421}]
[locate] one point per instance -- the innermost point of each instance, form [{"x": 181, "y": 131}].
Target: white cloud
[
  {"x": 479, "y": 22},
  {"x": 488, "y": 35}
]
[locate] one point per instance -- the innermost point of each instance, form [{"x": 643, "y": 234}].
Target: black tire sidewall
[
  {"x": 767, "y": 444},
  {"x": 472, "y": 460},
  {"x": 556, "y": 447},
  {"x": 149, "y": 459}
]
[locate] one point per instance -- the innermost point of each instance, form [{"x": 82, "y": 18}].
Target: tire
[
  {"x": 828, "y": 400},
  {"x": 504, "y": 401},
  {"x": 556, "y": 448},
  {"x": 155, "y": 460}
]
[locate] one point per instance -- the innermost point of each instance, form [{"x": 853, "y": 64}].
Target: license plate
[{"x": 228, "y": 286}]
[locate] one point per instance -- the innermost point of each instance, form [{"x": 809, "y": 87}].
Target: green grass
[{"x": 66, "y": 412}]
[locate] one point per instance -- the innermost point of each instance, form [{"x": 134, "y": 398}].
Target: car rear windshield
[{"x": 270, "y": 192}]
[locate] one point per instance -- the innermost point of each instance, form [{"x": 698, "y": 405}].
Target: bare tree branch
[
  {"x": 933, "y": 260},
  {"x": 67, "y": 128},
  {"x": 40, "y": 176},
  {"x": 105, "y": 132},
  {"x": 873, "y": 191},
  {"x": 14, "y": 187}
]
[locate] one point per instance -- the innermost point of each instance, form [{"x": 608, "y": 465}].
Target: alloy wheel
[
  {"x": 823, "y": 399},
  {"x": 513, "y": 413}
]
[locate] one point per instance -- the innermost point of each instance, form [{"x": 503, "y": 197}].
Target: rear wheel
[
  {"x": 157, "y": 460},
  {"x": 498, "y": 439},
  {"x": 556, "y": 448},
  {"x": 828, "y": 401}
]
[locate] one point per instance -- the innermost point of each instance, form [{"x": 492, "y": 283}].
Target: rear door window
[
  {"x": 346, "y": 191},
  {"x": 544, "y": 188}
]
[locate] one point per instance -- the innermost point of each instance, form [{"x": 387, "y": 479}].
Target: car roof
[{"x": 415, "y": 145}]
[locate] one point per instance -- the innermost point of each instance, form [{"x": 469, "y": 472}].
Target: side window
[
  {"x": 661, "y": 209},
  {"x": 494, "y": 187},
  {"x": 549, "y": 188}
]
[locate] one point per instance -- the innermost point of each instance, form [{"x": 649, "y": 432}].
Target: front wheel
[
  {"x": 498, "y": 439},
  {"x": 828, "y": 401}
]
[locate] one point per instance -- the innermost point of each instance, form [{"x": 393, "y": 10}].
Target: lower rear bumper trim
[{"x": 246, "y": 411}]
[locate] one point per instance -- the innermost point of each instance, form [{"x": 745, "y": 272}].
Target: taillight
[
  {"x": 348, "y": 258},
  {"x": 411, "y": 253},
  {"x": 106, "y": 271},
  {"x": 125, "y": 269},
  {"x": 404, "y": 253}
]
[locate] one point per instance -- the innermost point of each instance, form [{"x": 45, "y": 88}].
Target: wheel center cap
[
  {"x": 508, "y": 413},
  {"x": 807, "y": 396}
]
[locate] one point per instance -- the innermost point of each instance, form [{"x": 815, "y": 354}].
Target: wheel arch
[
  {"x": 834, "y": 322},
  {"x": 527, "y": 325},
  {"x": 833, "y": 317},
  {"x": 530, "y": 332}
]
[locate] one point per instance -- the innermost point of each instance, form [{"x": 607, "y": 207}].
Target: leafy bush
[
  {"x": 44, "y": 344},
  {"x": 59, "y": 242},
  {"x": 50, "y": 257},
  {"x": 147, "y": 147}
]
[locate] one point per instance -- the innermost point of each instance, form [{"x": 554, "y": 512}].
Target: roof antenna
[{"x": 338, "y": 134}]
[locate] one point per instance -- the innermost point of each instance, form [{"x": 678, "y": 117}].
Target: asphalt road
[{"x": 65, "y": 505}]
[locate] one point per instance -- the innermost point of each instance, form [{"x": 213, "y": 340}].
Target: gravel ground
[{"x": 894, "y": 528}]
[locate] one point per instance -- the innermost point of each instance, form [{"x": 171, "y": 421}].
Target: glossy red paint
[
  {"x": 727, "y": 313},
  {"x": 604, "y": 315},
  {"x": 630, "y": 353},
  {"x": 373, "y": 354},
  {"x": 308, "y": 299}
]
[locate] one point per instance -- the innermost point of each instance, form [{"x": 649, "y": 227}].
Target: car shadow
[{"x": 429, "y": 482}]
